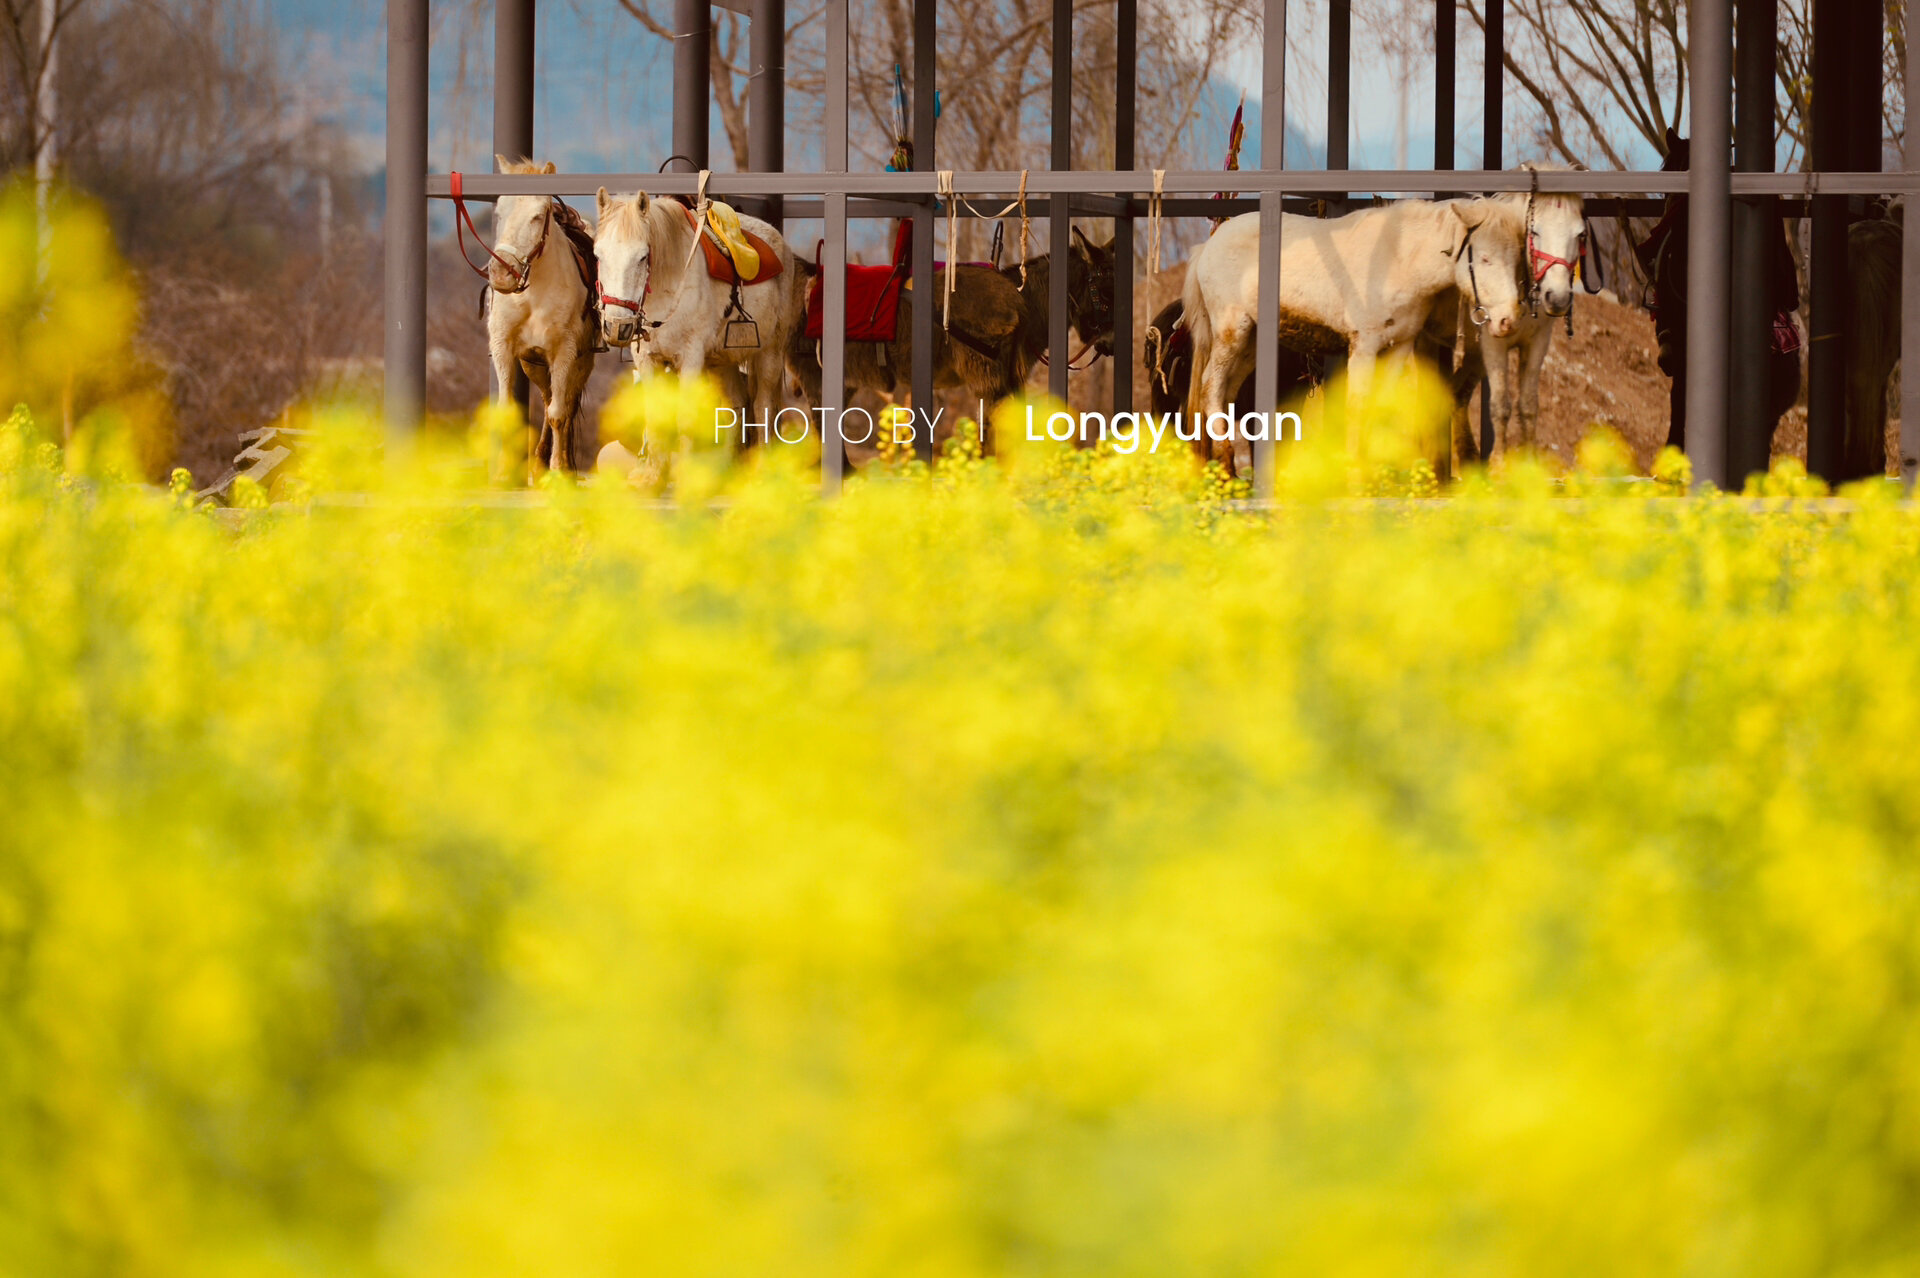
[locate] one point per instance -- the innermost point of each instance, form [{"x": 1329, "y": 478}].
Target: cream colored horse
[
  {"x": 1368, "y": 282},
  {"x": 541, "y": 317},
  {"x": 1556, "y": 242},
  {"x": 656, "y": 293}
]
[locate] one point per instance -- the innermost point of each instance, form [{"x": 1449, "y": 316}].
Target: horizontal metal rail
[{"x": 1001, "y": 183}]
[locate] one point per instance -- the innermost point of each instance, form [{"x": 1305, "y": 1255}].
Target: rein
[
  {"x": 1479, "y": 314},
  {"x": 1072, "y": 363},
  {"x": 521, "y": 275}
]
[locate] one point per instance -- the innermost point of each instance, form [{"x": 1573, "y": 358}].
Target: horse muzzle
[
  {"x": 503, "y": 278},
  {"x": 620, "y": 329}
]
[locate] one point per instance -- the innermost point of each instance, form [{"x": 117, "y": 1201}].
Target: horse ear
[
  {"x": 548, "y": 168},
  {"x": 1673, "y": 138},
  {"x": 1472, "y": 212},
  {"x": 641, "y": 200},
  {"x": 501, "y": 163},
  {"x": 601, "y": 203},
  {"x": 1080, "y": 238}
]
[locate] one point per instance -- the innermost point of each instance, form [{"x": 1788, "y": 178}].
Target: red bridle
[
  {"x": 1539, "y": 255},
  {"x": 521, "y": 275}
]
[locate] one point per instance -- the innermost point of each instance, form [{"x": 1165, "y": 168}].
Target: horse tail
[{"x": 1193, "y": 317}]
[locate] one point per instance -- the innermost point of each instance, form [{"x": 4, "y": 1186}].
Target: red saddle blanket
[
  {"x": 873, "y": 304},
  {"x": 720, "y": 262}
]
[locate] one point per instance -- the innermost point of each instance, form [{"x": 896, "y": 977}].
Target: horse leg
[
  {"x": 1213, "y": 384},
  {"x": 572, "y": 379},
  {"x": 1466, "y": 379},
  {"x": 1533, "y": 361},
  {"x": 1362, "y": 356},
  {"x": 539, "y": 375},
  {"x": 1499, "y": 374}
]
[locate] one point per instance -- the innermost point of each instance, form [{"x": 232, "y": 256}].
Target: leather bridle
[{"x": 522, "y": 274}]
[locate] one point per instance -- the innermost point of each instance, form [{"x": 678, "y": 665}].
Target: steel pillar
[
  {"x": 1492, "y": 153},
  {"x": 1445, "y": 59},
  {"x": 1126, "y": 70},
  {"x": 1827, "y": 282},
  {"x": 513, "y": 113},
  {"x": 406, "y": 217},
  {"x": 1339, "y": 85},
  {"x": 1756, "y": 239},
  {"x": 692, "y": 67},
  {"x": 767, "y": 95},
  {"x": 1273, "y": 159},
  {"x": 1910, "y": 304},
  {"x": 1709, "y": 211},
  {"x": 1060, "y": 207},
  {"x": 927, "y": 287},
  {"x": 833, "y": 257}
]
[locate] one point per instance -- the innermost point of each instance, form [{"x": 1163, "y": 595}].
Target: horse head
[
  {"x": 1556, "y": 243},
  {"x": 1488, "y": 265},
  {"x": 1090, "y": 291},
  {"x": 521, "y": 226},
  {"x": 623, "y": 253}
]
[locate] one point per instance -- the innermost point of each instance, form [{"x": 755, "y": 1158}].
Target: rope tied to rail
[
  {"x": 1155, "y": 216},
  {"x": 1025, "y": 226},
  {"x": 943, "y": 183}
]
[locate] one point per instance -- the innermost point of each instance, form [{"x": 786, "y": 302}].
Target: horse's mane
[
  {"x": 623, "y": 217},
  {"x": 524, "y": 166}
]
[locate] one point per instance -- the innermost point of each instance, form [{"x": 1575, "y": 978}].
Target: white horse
[
  {"x": 542, "y": 317},
  {"x": 656, "y": 293},
  {"x": 1556, "y": 243},
  {"x": 1368, "y": 282}
]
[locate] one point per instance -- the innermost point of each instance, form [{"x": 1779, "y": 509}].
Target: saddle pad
[
  {"x": 873, "y": 304},
  {"x": 579, "y": 237},
  {"x": 721, "y": 263}
]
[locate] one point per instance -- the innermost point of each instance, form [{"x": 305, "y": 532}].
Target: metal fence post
[
  {"x": 1756, "y": 237},
  {"x": 925, "y": 283},
  {"x": 1492, "y": 155},
  {"x": 692, "y": 52},
  {"x": 833, "y": 259},
  {"x": 1910, "y": 302},
  {"x": 1126, "y": 69},
  {"x": 767, "y": 96},
  {"x": 406, "y": 217},
  {"x": 1709, "y": 200},
  {"x": 513, "y": 117},
  {"x": 1059, "y": 205},
  {"x": 1273, "y": 159}
]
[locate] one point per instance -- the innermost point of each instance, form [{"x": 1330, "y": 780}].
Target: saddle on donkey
[{"x": 873, "y": 303}]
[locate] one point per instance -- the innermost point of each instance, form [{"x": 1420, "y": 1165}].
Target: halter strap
[{"x": 455, "y": 188}]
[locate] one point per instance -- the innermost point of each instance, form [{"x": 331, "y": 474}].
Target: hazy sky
[{"x": 603, "y": 91}]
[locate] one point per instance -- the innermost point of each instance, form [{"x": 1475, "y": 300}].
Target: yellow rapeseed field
[{"x": 1039, "y": 869}]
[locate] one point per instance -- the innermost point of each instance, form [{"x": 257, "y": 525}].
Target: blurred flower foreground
[{"x": 1038, "y": 870}]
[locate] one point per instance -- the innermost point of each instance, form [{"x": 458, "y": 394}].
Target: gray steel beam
[
  {"x": 1756, "y": 236},
  {"x": 1126, "y": 28},
  {"x": 1709, "y": 200},
  {"x": 692, "y": 57},
  {"x": 1139, "y": 182},
  {"x": 926, "y": 285},
  {"x": 767, "y": 95},
  {"x": 1273, "y": 161},
  {"x": 513, "y": 112},
  {"x": 1910, "y": 302},
  {"x": 833, "y": 258},
  {"x": 1060, "y": 221},
  {"x": 406, "y": 217}
]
